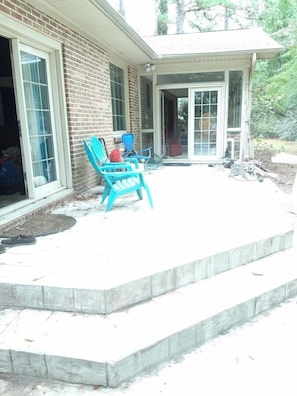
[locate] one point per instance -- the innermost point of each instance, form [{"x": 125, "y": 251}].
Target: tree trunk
[{"x": 180, "y": 16}]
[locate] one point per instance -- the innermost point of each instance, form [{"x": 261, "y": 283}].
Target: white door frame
[
  {"x": 220, "y": 118},
  {"x": 159, "y": 119},
  {"x": 60, "y": 143}
]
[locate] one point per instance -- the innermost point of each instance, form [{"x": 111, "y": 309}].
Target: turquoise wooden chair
[{"x": 118, "y": 182}]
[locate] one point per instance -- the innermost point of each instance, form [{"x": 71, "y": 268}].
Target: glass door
[
  {"x": 38, "y": 112},
  {"x": 37, "y": 122},
  {"x": 204, "y": 123}
]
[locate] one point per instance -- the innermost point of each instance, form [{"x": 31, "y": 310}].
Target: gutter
[{"x": 273, "y": 52}]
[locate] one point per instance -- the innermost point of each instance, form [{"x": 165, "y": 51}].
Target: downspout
[{"x": 248, "y": 148}]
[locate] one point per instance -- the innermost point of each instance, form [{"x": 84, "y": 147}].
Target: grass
[{"x": 276, "y": 145}]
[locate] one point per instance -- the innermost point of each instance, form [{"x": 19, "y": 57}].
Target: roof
[
  {"x": 244, "y": 41},
  {"x": 100, "y": 22}
]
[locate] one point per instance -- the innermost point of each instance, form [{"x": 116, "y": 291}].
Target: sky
[{"x": 140, "y": 14}]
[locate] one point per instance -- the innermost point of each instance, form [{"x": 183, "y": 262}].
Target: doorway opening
[
  {"x": 12, "y": 186},
  {"x": 175, "y": 123},
  {"x": 191, "y": 121}
]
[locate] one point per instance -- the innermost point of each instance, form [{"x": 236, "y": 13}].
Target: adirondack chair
[
  {"x": 145, "y": 156},
  {"x": 118, "y": 182}
]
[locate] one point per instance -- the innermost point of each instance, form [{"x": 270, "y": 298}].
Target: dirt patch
[
  {"x": 285, "y": 173},
  {"x": 44, "y": 224}
]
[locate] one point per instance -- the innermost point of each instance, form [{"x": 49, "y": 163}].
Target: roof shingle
[{"x": 253, "y": 40}]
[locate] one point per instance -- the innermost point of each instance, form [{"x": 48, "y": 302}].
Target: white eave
[{"x": 99, "y": 22}]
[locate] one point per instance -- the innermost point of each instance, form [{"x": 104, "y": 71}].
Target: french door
[
  {"x": 37, "y": 123},
  {"x": 204, "y": 123}
]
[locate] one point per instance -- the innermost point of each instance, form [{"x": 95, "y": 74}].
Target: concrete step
[
  {"x": 80, "y": 288},
  {"x": 109, "y": 349}
]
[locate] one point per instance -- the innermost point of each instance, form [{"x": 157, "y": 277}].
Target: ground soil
[{"x": 285, "y": 173}]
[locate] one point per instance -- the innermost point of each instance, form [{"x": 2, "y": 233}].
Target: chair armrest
[
  {"x": 123, "y": 174},
  {"x": 118, "y": 166},
  {"x": 149, "y": 149},
  {"x": 132, "y": 161}
]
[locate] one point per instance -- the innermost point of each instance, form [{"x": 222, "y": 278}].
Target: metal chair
[{"x": 150, "y": 161}]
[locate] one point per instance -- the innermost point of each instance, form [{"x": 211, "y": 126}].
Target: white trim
[
  {"x": 221, "y": 119},
  {"x": 124, "y": 67},
  {"x": 197, "y": 67},
  {"x": 219, "y": 87}
]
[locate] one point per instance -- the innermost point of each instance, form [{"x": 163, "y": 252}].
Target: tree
[
  {"x": 273, "y": 83},
  {"x": 180, "y": 16},
  {"x": 162, "y": 17},
  {"x": 209, "y": 15}
]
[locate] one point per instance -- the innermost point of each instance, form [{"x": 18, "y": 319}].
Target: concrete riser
[
  {"x": 194, "y": 336},
  {"x": 100, "y": 301},
  {"x": 113, "y": 373},
  {"x": 197, "y": 312}
]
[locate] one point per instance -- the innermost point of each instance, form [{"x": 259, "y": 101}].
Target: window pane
[
  {"x": 235, "y": 99},
  {"x": 146, "y": 97},
  {"x": 190, "y": 78},
  {"x": 117, "y": 88},
  {"x": 205, "y": 122}
]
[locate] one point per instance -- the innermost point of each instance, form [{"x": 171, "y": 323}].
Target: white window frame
[{"x": 118, "y": 134}]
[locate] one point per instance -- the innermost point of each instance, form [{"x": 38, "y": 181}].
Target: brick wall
[
  {"x": 87, "y": 87},
  {"x": 134, "y": 104}
]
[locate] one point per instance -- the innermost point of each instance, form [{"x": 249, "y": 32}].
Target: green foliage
[
  {"x": 263, "y": 118},
  {"x": 287, "y": 126},
  {"x": 277, "y": 15},
  {"x": 274, "y": 87},
  {"x": 280, "y": 85}
]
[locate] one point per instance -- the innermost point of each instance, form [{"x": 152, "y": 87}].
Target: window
[
  {"x": 234, "y": 112},
  {"x": 190, "y": 78},
  {"x": 117, "y": 87},
  {"x": 146, "y": 97},
  {"x": 235, "y": 99}
]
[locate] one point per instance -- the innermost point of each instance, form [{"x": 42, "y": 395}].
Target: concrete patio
[{"x": 144, "y": 284}]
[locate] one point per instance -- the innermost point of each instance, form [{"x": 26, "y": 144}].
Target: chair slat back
[
  {"x": 91, "y": 157},
  {"x": 128, "y": 141},
  {"x": 99, "y": 150}
]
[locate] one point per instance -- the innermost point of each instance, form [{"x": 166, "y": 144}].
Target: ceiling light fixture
[{"x": 149, "y": 67}]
